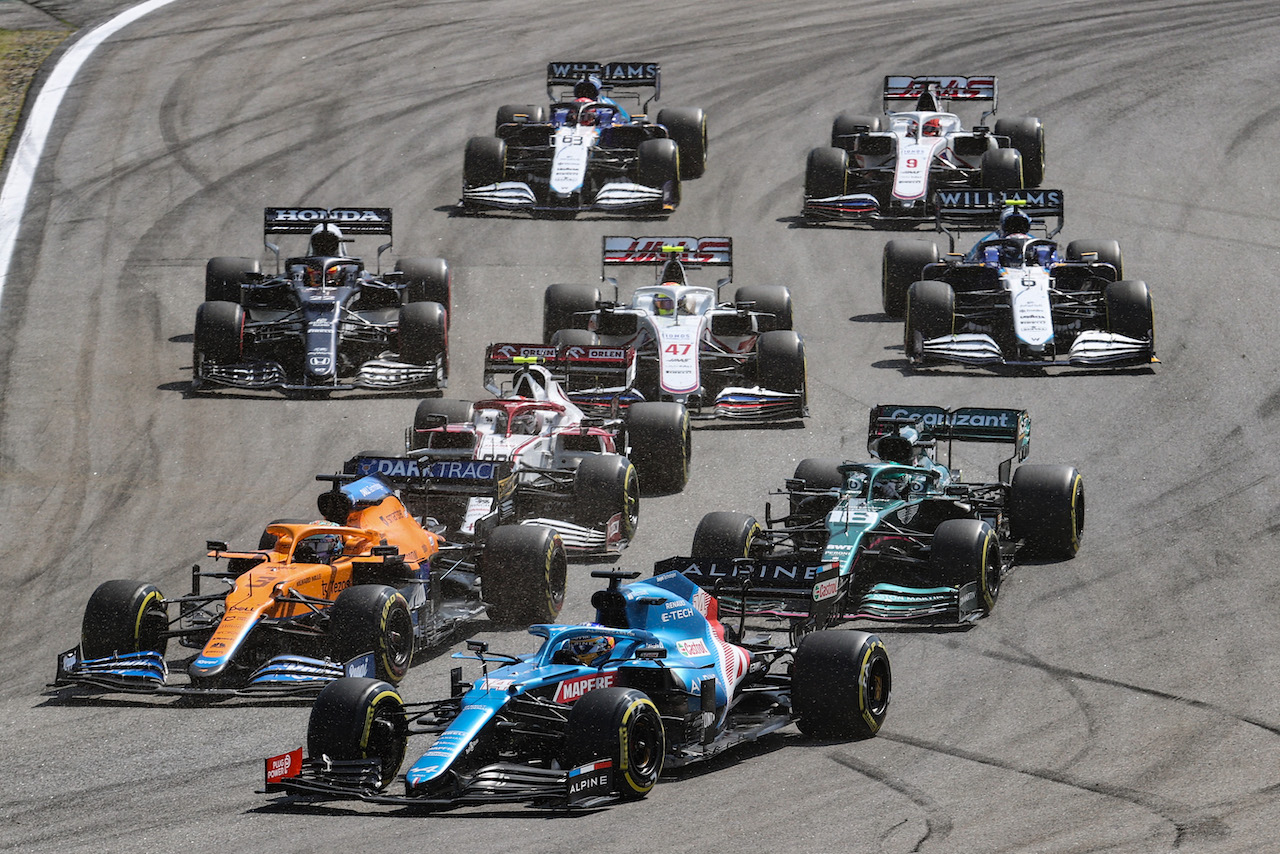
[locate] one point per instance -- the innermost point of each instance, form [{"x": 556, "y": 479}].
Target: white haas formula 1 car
[
  {"x": 738, "y": 360},
  {"x": 538, "y": 459},
  {"x": 886, "y": 168}
]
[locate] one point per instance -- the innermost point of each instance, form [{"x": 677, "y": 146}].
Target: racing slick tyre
[
  {"x": 224, "y": 275},
  {"x": 1001, "y": 169},
  {"x": 774, "y": 300},
  {"x": 904, "y": 263},
  {"x": 658, "y": 166},
  {"x": 523, "y": 569},
  {"x": 847, "y": 126},
  {"x": 687, "y": 127},
  {"x": 268, "y": 540},
  {"x": 826, "y": 173},
  {"x": 931, "y": 313},
  {"x": 780, "y": 364},
  {"x": 725, "y": 535},
  {"x": 840, "y": 684},
  {"x": 424, "y": 335},
  {"x": 1129, "y": 310},
  {"x": 816, "y": 473},
  {"x": 605, "y": 486},
  {"x": 219, "y": 334},
  {"x": 373, "y": 618},
  {"x": 427, "y": 280},
  {"x": 965, "y": 550},
  {"x": 1026, "y": 135},
  {"x": 484, "y": 161},
  {"x": 519, "y": 114},
  {"x": 1107, "y": 251},
  {"x": 123, "y": 617},
  {"x": 661, "y": 445},
  {"x": 621, "y": 724},
  {"x": 567, "y": 307},
  {"x": 1046, "y": 509},
  {"x": 575, "y": 338},
  {"x": 436, "y": 412},
  {"x": 359, "y": 718}
]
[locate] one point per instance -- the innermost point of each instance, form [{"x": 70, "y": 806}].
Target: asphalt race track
[{"x": 1123, "y": 701}]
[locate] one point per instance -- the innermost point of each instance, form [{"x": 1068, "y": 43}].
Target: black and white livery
[
  {"x": 324, "y": 322},
  {"x": 887, "y": 168},
  {"x": 737, "y": 360},
  {"x": 1017, "y": 297},
  {"x": 593, "y": 149}
]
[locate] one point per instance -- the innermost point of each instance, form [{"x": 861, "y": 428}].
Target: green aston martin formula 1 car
[{"x": 900, "y": 537}]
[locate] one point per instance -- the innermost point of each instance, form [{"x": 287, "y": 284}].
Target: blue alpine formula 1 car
[
  {"x": 900, "y": 537},
  {"x": 595, "y": 714}
]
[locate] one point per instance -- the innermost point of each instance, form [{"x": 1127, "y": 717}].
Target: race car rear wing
[
  {"x": 981, "y": 209},
  {"x": 613, "y": 75},
  {"x": 351, "y": 221},
  {"x": 597, "y": 370},
  {"x": 691, "y": 252},
  {"x": 965, "y": 424},
  {"x": 788, "y": 587},
  {"x": 944, "y": 89}
]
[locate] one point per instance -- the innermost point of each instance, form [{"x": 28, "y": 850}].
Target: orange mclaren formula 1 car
[{"x": 357, "y": 592}]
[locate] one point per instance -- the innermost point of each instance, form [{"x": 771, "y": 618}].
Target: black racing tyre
[
  {"x": 660, "y": 444},
  {"x": 964, "y": 550},
  {"x": 268, "y": 541},
  {"x": 373, "y": 618},
  {"x": 826, "y": 173},
  {"x": 1002, "y": 169},
  {"x": 658, "y": 165},
  {"x": 575, "y": 338},
  {"x": 780, "y": 363},
  {"x": 1026, "y": 134},
  {"x": 427, "y": 280},
  {"x": 846, "y": 127},
  {"x": 424, "y": 335},
  {"x": 1046, "y": 509},
  {"x": 725, "y": 535},
  {"x": 606, "y": 485},
  {"x": 931, "y": 313},
  {"x": 567, "y": 307},
  {"x": 523, "y": 570},
  {"x": 429, "y": 413},
  {"x": 519, "y": 114},
  {"x": 484, "y": 161},
  {"x": 903, "y": 263},
  {"x": 359, "y": 718},
  {"x": 1107, "y": 251},
  {"x": 621, "y": 724},
  {"x": 224, "y": 275},
  {"x": 840, "y": 684},
  {"x": 688, "y": 129},
  {"x": 817, "y": 473},
  {"x": 772, "y": 300},
  {"x": 219, "y": 334},
  {"x": 123, "y": 617},
  {"x": 1129, "y": 309}
]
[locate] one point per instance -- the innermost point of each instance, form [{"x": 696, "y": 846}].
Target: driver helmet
[
  {"x": 664, "y": 305},
  {"x": 587, "y": 117},
  {"x": 899, "y": 447},
  {"x": 588, "y": 88},
  {"x": 593, "y": 649},
  {"x": 336, "y": 275},
  {"x": 526, "y": 423},
  {"x": 325, "y": 239},
  {"x": 1014, "y": 221},
  {"x": 318, "y": 548},
  {"x": 933, "y": 127}
]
